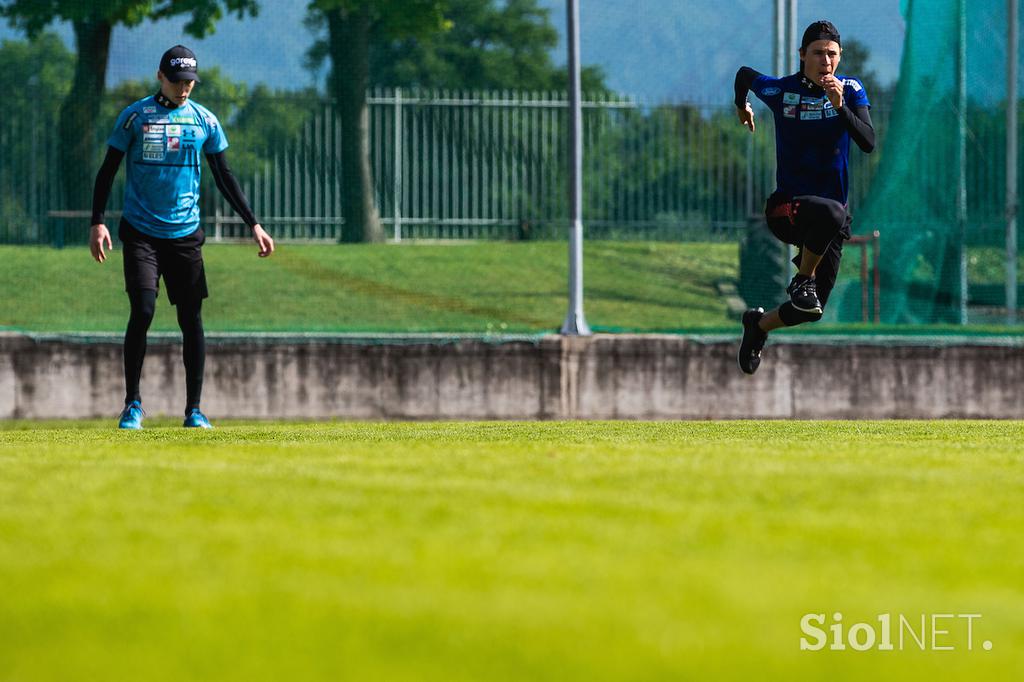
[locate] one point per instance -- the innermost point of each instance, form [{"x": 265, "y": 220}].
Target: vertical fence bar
[
  {"x": 397, "y": 174},
  {"x": 1011, "y": 162}
]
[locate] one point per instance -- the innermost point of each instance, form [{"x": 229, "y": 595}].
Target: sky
[
  {"x": 666, "y": 49},
  {"x": 655, "y": 50}
]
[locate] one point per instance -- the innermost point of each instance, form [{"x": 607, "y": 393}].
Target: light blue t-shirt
[{"x": 163, "y": 148}]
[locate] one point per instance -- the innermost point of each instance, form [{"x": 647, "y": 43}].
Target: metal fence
[{"x": 453, "y": 165}]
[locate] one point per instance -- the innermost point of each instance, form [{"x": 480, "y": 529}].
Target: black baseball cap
[
  {"x": 820, "y": 30},
  {"x": 179, "y": 64}
]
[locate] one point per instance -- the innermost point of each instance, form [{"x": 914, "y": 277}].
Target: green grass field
[
  {"x": 505, "y": 551},
  {"x": 459, "y": 287},
  {"x": 471, "y": 287}
]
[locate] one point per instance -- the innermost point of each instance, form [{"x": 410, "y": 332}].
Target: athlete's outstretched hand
[
  {"x": 263, "y": 239},
  {"x": 98, "y": 236},
  {"x": 746, "y": 116},
  {"x": 834, "y": 89}
]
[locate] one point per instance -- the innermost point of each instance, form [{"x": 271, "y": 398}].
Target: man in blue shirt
[
  {"x": 162, "y": 136},
  {"x": 817, "y": 112}
]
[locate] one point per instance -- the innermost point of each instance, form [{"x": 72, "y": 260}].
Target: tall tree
[
  {"x": 460, "y": 44},
  {"x": 92, "y": 23},
  {"x": 490, "y": 46},
  {"x": 352, "y": 27}
]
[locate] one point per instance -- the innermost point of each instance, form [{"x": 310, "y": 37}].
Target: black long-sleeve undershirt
[
  {"x": 229, "y": 187},
  {"x": 222, "y": 175},
  {"x": 858, "y": 124},
  {"x": 856, "y": 119},
  {"x": 104, "y": 181},
  {"x": 744, "y": 79}
]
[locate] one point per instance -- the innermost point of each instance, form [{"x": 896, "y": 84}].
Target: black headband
[{"x": 820, "y": 30}]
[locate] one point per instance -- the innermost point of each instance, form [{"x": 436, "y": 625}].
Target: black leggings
[{"x": 190, "y": 319}]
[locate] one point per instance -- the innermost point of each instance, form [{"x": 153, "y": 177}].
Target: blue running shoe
[
  {"x": 131, "y": 416},
  {"x": 197, "y": 420}
]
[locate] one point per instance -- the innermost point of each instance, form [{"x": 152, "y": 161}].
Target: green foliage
[
  {"x": 33, "y": 16},
  {"x": 490, "y": 45},
  {"x": 475, "y": 45},
  {"x": 854, "y": 62},
  {"x": 391, "y": 18},
  {"x": 37, "y": 73}
]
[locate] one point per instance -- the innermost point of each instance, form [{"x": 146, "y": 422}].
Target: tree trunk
[
  {"x": 349, "y": 33},
  {"x": 80, "y": 110}
]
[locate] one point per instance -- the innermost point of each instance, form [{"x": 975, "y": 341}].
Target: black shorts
[
  {"x": 179, "y": 261},
  {"x": 784, "y": 229}
]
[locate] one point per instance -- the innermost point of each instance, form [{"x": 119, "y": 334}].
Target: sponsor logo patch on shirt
[
  {"x": 183, "y": 118},
  {"x": 173, "y": 131},
  {"x": 153, "y": 156},
  {"x": 789, "y": 110},
  {"x": 152, "y": 146},
  {"x": 791, "y": 98},
  {"x": 831, "y": 113},
  {"x": 173, "y": 144},
  {"x": 810, "y": 115},
  {"x": 852, "y": 83},
  {"x": 149, "y": 110},
  {"x": 770, "y": 92}
]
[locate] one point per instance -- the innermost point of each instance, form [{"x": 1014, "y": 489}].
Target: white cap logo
[{"x": 185, "y": 62}]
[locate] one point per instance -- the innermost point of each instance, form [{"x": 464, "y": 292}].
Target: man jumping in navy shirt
[
  {"x": 162, "y": 136},
  {"x": 817, "y": 112}
]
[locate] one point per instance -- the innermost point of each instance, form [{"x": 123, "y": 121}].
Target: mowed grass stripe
[
  {"x": 467, "y": 287},
  {"x": 502, "y": 550}
]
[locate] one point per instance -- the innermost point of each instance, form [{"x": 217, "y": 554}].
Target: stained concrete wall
[{"x": 553, "y": 377}]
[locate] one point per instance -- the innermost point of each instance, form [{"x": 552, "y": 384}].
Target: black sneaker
[
  {"x": 803, "y": 294},
  {"x": 753, "y": 341}
]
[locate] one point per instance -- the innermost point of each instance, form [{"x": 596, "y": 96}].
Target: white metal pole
[
  {"x": 779, "y": 43},
  {"x": 790, "y": 44},
  {"x": 575, "y": 324},
  {"x": 1011, "y": 162},
  {"x": 961, "y": 195},
  {"x": 792, "y": 40}
]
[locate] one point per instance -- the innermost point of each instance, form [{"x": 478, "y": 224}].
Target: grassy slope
[
  {"x": 557, "y": 551},
  {"x": 458, "y": 287}
]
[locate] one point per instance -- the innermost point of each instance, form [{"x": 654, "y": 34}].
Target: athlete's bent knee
[{"x": 821, "y": 220}]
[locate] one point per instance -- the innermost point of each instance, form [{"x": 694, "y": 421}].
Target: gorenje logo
[
  {"x": 187, "y": 62},
  {"x": 924, "y": 632}
]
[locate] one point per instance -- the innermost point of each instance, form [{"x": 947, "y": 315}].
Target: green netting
[{"x": 929, "y": 253}]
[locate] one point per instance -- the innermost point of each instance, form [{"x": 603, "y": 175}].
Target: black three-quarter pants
[{"x": 817, "y": 223}]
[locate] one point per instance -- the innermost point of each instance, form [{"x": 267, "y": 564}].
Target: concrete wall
[{"x": 601, "y": 377}]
